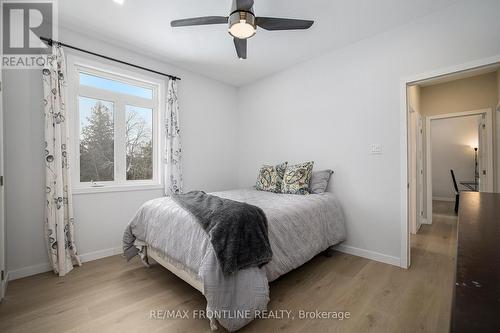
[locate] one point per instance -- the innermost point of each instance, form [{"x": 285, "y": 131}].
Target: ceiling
[{"x": 209, "y": 50}]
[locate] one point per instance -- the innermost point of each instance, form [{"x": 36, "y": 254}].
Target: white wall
[
  {"x": 452, "y": 142},
  {"x": 331, "y": 108},
  {"x": 208, "y": 129}
]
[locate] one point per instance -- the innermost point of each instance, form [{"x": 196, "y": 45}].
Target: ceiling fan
[{"x": 243, "y": 24}]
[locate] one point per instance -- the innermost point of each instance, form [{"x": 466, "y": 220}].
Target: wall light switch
[{"x": 376, "y": 149}]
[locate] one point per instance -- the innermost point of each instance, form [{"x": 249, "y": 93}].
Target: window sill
[{"x": 116, "y": 188}]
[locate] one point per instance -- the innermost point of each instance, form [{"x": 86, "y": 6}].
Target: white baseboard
[
  {"x": 28, "y": 271},
  {"x": 42, "y": 268},
  {"x": 386, "y": 259},
  {"x": 443, "y": 199},
  {"x": 101, "y": 254}
]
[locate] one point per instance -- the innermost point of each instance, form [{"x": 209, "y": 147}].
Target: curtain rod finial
[{"x": 49, "y": 41}]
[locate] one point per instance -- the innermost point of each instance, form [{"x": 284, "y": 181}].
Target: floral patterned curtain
[
  {"x": 173, "y": 161},
  {"x": 59, "y": 230}
]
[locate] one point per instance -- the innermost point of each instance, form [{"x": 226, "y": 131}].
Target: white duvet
[{"x": 300, "y": 227}]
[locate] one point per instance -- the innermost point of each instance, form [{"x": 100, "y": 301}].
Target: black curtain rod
[{"x": 51, "y": 42}]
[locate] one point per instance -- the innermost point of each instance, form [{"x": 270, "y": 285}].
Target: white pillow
[{"x": 319, "y": 181}]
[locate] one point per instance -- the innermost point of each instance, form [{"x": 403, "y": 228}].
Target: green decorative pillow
[
  {"x": 297, "y": 178},
  {"x": 271, "y": 178}
]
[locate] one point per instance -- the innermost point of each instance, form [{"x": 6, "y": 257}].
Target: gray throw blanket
[{"x": 237, "y": 230}]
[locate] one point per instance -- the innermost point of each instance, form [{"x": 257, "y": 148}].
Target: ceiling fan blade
[
  {"x": 244, "y": 4},
  {"x": 241, "y": 47},
  {"x": 199, "y": 21},
  {"x": 274, "y": 23}
]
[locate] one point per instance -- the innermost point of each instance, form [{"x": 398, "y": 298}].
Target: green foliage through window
[{"x": 96, "y": 141}]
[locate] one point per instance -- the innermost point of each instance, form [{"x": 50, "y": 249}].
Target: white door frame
[
  {"x": 414, "y": 156},
  {"x": 489, "y": 164},
  {"x": 3, "y": 248},
  {"x": 412, "y": 172},
  {"x": 403, "y": 147},
  {"x": 420, "y": 172}
]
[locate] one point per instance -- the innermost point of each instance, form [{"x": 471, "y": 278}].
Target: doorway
[
  {"x": 467, "y": 93},
  {"x": 461, "y": 142}
]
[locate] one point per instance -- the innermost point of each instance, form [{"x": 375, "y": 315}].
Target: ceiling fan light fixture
[{"x": 242, "y": 25}]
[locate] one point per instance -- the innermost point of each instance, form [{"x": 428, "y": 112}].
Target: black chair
[{"x": 457, "y": 193}]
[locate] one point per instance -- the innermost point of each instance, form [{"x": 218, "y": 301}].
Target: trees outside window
[{"x": 116, "y": 130}]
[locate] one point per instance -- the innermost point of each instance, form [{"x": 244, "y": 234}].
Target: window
[
  {"x": 116, "y": 129},
  {"x": 97, "y": 140},
  {"x": 139, "y": 122}
]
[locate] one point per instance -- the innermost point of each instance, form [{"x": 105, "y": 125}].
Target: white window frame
[{"x": 77, "y": 65}]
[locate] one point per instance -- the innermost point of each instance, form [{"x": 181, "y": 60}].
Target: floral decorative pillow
[
  {"x": 271, "y": 178},
  {"x": 297, "y": 178}
]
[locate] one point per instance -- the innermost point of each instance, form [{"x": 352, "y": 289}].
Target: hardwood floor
[{"x": 110, "y": 295}]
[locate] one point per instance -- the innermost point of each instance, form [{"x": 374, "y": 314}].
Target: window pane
[
  {"x": 116, "y": 86},
  {"x": 96, "y": 140},
  {"x": 139, "y": 129}
]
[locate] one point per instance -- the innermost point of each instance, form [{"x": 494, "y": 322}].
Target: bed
[{"x": 299, "y": 227}]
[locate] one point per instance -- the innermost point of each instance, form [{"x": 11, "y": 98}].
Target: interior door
[
  {"x": 420, "y": 171},
  {"x": 482, "y": 154},
  {"x": 412, "y": 170}
]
